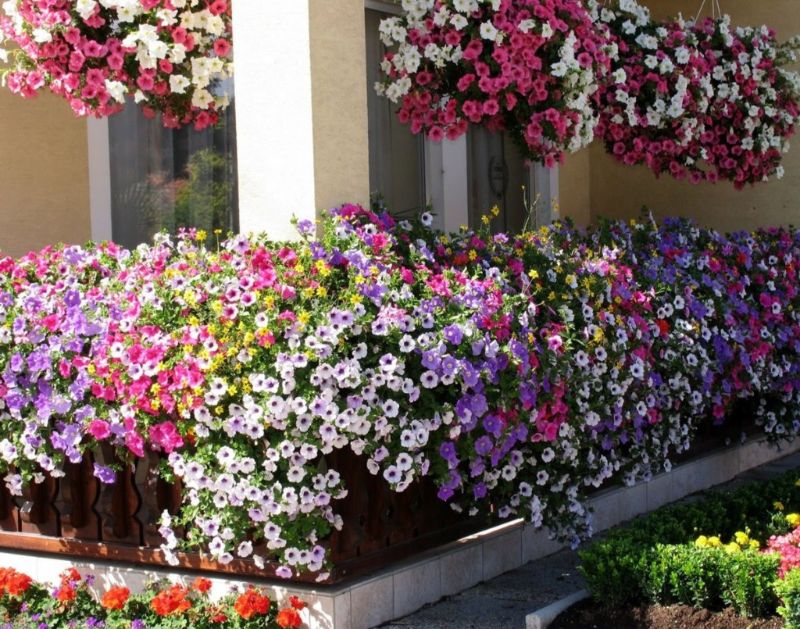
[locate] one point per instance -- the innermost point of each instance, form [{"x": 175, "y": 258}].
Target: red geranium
[
  {"x": 171, "y": 601},
  {"x": 115, "y": 598},
  {"x": 251, "y": 604}
]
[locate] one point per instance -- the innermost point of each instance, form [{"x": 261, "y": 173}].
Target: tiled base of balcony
[{"x": 403, "y": 588}]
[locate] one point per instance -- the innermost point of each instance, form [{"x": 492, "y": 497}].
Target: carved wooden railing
[{"x": 78, "y": 516}]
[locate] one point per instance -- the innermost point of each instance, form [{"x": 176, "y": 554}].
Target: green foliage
[
  {"x": 788, "y": 589},
  {"x": 655, "y": 560},
  {"x": 748, "y": 582}
]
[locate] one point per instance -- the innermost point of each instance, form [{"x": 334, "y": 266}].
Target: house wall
[
  {"x": 339, "y": 97},
  {"x": 620, "y": 191},
  {"x": 44, "y": 176}
]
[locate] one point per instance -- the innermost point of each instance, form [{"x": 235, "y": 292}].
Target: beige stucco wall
[
  {"x": 44, "y": 178},
  {"x": 339, "y": 96},
  {"x": 620, "y": 191},
  {"x": 574, "y": 198}
]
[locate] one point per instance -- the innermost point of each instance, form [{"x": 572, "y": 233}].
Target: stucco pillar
[
  {"x": 301, "y": 110},
  {"x": 339, "y": 94}
]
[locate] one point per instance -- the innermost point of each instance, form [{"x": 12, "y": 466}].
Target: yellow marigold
[
  {"x": 701, "y": 542},
  {"x": 714, "y": 542},
  {"x": 755, "y": 544},
  {"x": 793, "y": 518},
  {"x": 741, "y": 538},
  {"x": 733, "y": 547}
]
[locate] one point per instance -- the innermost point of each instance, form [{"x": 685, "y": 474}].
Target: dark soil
[{"x": 591, "y": 615}]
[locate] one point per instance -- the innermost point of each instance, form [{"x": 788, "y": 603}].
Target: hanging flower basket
[
  {"x": 168, "y": 56},
  {"x": 527, "y": 67},
  {"x": 698, "y": 101}
]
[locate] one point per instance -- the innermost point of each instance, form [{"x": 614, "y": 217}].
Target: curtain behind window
[{"x": 165, "y": 179}]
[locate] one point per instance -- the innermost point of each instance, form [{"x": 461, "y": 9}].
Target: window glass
[
  {"x": 165, "y": 179},
  {"x": 396, "y": 156},
  {"x": 499, "y": 176}
]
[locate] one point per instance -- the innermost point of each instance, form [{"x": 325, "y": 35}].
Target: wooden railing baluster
[
  {"x": 79, "y": 493},
  {"x": 38, "y": 515}
]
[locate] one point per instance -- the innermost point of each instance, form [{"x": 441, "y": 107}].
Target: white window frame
[
  {"x": 99, "y": 178},
  {"x": 446, "y": 179}
]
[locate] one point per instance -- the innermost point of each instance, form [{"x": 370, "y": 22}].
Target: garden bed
[
  {"x": 728, "y": 559},
  {"x": 592, "y": 615}
]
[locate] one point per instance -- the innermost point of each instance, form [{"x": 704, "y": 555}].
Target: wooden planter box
[{"x": 77, "y": 516}]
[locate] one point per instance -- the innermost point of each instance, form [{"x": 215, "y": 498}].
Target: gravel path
[{"x": 503, "y": 602}]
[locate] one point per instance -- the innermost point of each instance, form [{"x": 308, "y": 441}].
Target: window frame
[{"x": 446, "y": 170}]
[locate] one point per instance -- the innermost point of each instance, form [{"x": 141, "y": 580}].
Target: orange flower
[
  {"x": 171, "y": 601},
  {"x": 70, "y": 575},
  {"x": 18, "y": 583},
  {"x": 66, "y": 593},
  {"x": 116, "y": 597},
  {"x": 250, "y": 604},
  {"x": 13, "y": 583},
  {"x": 297, "y": 603},
  {"x": 289, "y": 617},
  {"x": 201, "y": 584}
]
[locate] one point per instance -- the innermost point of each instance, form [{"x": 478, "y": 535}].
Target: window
[
  {"x": 396, "y": 157},
  {"x": 498, "y": 176},
  {"x": 165, "y": 179}
]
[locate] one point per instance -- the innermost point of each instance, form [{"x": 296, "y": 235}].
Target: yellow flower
[
  {"x": 485, "y": 219},
  {"x": 322, "y": 291},
  {"x": 701, "y": 542},
  {"x": 269, "y": 301},
  {"x": 217, "y": 232},
  {"x": 733, "y": 547},
  {"x": 741, "y": 538},
  {"x": 778, "y": 505},
  {"x": 91, "y": 369},
  {"x": 360, "y": 279},
  {"x": 714, "y": 542},
  {"x": 473, "y": 255},
  {"x": 299, "y": 268},
  {"x": 495, "y": 211},
  {"x": 232, "y": 389},
  {"x": 599, "y": 335},
  {"x": 755, "y": 544},
  {"x": 793, "y": 519},
  {"x": 533, "y": 274},
  {"x": 797, "y": 483},
  {"x": 201, "y": 235},
  {"x": 304, "y": 317},
  {"x": 356, "y": 299}
]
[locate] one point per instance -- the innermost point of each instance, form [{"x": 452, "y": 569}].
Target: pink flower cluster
[
  {"x": 701, "y": 101},
  {"x": 529, "y": 67},
  {"x": 168, "y": 55},
  {"x": 788, "y": 547}
]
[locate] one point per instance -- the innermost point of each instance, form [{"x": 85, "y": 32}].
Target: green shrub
[
  {"x": 653, "y": 559},
  {"x": 613, "y": 571},
  {"x": 748, "y": 582},
  {"x": 683, "y": 574},
  {"x": 788, "y": 589}
]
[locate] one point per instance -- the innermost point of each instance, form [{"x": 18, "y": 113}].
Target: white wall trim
[
  {"x": 446, "y": 183},
  {"x": 99, "y": 179},
  {"x": 544, "y": 189},
  {"x": 274, "y": 115}
]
